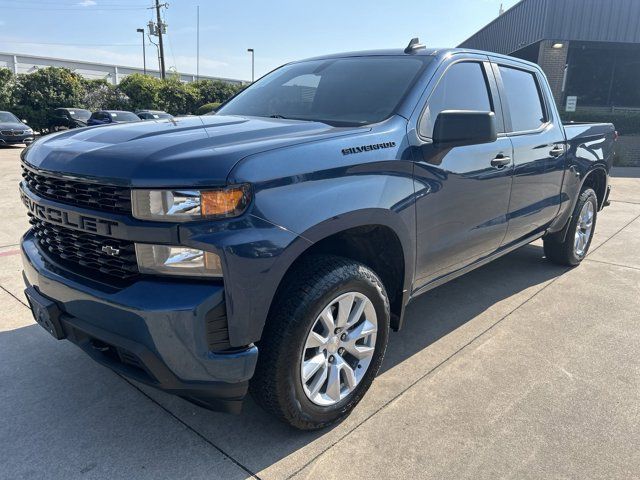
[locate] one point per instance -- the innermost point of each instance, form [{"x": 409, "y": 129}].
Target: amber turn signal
[{"x": 226, "y": 202}]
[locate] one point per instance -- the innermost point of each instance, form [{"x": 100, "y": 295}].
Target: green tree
[
  {"x": 36, "y": 94},
  {"x": 99, "y": 94},
  {"x": 7, "y": 82},
  {"x": 142, "y": 90},
  {"x": 215, "y": 91},
  {"x": 176, "y": 97}
]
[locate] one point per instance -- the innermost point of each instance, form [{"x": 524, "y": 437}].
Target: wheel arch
[
  {"x": 358, "y": 237},
  {"x": 597, "y": 179}
]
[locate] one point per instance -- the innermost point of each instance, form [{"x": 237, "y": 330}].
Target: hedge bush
[
  {"x": 33, "y": 96},
  {"x": 207, "y": 108},
  {"x": 36, "y": 94}
]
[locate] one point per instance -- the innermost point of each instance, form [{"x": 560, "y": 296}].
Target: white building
[{"x": 19, "y": 63}]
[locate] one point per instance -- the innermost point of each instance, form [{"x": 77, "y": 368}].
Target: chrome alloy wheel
[
  {"x": 339, "y": 348},
  {"x": 583, "y": 229}
]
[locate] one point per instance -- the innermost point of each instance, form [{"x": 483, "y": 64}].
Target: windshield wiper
[
  {"x": 333, "y": 123},
  {"x": 277, "y": 115}
]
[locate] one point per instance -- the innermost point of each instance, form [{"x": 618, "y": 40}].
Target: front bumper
[
  {"x": 15, "y": 139},
  {"x": 152, "y": 331}
]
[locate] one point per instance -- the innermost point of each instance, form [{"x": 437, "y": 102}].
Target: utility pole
[{"x": 160, "y": 31}]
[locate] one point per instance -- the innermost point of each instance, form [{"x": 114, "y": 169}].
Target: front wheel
[
  {"x": 323, "y": 343},
  {"x": 578, "y": 238}
]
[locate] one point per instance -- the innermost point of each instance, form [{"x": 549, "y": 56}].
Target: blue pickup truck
[{"x": 271, "y": 248}]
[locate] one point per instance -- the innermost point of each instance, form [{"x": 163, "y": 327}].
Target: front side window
[
  {"x": 340, "y": 91},
  {"x": 462, "y": 87},
  {"x": 524, "y": 99}
]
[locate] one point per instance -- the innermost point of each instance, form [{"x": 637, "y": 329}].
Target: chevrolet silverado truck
[{"x": 271, "y": 248}]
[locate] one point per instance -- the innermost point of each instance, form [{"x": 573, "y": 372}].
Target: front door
[{"x": 462, "y": 193}]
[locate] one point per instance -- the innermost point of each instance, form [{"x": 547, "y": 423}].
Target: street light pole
[
  {"x": 253, "y": 53},
  {"x": 144, "y": 53},
  {"x": 198, "y": 42}
]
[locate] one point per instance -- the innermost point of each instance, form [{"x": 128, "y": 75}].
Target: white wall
[{"x": 112, "y": 73}]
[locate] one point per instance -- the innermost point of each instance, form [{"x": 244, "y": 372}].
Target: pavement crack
[
  {"x": 624, "y": 201},
  {"x": 617, "y": 232},
  {"x": 612, "y": 264},
  {"x": 7, "y": 291},
  {"x": 190, "y": 428}
]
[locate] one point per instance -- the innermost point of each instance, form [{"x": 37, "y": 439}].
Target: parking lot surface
[{"x": 521, "y": 369}]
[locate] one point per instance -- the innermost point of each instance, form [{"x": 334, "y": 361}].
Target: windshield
[
  {"x": 124, "y": 117},
  {"x": 80, "y": 114},
  {"x": 8, "y": 117},
  {"x": 342, "y": 91}
]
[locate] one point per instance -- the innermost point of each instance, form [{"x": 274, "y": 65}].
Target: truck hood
[{"x": 184, "y": 152}]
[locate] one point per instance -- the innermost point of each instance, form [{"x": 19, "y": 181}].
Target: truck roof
[{"x": 429, "y": 51}]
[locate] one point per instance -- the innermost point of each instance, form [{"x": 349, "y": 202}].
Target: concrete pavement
[{"x": 520, "y": 369}]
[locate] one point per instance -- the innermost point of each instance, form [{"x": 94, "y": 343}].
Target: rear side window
[
  {"x": 463, "y": 87},
  {"x": 524, "y": 99}
]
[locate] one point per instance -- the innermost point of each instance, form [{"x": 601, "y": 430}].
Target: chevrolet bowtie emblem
[{"x": 109, "y": 250}]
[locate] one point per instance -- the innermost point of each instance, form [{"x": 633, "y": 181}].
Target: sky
[{"x": 278, "y": 30}]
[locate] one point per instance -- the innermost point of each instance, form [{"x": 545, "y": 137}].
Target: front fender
[{"x": 306, "y": 193}]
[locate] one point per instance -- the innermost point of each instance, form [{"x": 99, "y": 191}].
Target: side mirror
[
  {"x": 454, "y": 128},
  {"x": 23, "y": 121}
]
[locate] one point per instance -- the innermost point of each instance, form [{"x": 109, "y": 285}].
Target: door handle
[
  {"x": 500, "y": 161},
  {"x": 556, "y": 151}
]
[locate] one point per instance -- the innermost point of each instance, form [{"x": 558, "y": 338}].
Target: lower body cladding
[{"x": 156, "y": 331}]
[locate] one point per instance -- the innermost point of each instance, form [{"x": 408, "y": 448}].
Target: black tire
[
  {"x": 306, "y": 291},
  {"x": 563, "y": 252}
]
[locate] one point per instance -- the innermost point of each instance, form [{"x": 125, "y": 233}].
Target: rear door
[
  {"x": 461, "y": 198},
  {"x": 538, "y": 148}
]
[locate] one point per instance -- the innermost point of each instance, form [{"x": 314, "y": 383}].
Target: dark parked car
[
  {"x": 153, "y": 114},
  {"x": 67, "y": 118},
  {"x": 102, "y": 117},
  {"x": 13, "y": 130},
  {"x": 273, "y": 246}
]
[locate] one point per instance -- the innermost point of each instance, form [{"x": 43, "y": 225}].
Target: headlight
[
  {"x": 188, "y": 205},
  {"x": 28, "y": 131},
  {"x": 173, "y": 260}
]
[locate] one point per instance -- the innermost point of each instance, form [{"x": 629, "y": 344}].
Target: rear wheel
[
  {"x": 578, "y": 238},
  {"x": 323, "y": 343}
]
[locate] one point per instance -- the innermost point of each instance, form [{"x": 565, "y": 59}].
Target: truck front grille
[
  {"x": 75, "y": 249},
  {"x": 95, "y": 196}
]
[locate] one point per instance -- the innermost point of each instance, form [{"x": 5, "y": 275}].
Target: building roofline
[
  {"x": 492, "y": 21},
  {"x": 100, "y": 64}
]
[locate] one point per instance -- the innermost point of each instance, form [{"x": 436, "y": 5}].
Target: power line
[
  {"x": 75, "y": 44},
  {"x": 76, "y": 9},
  {"x": 89, "y": 7}
]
